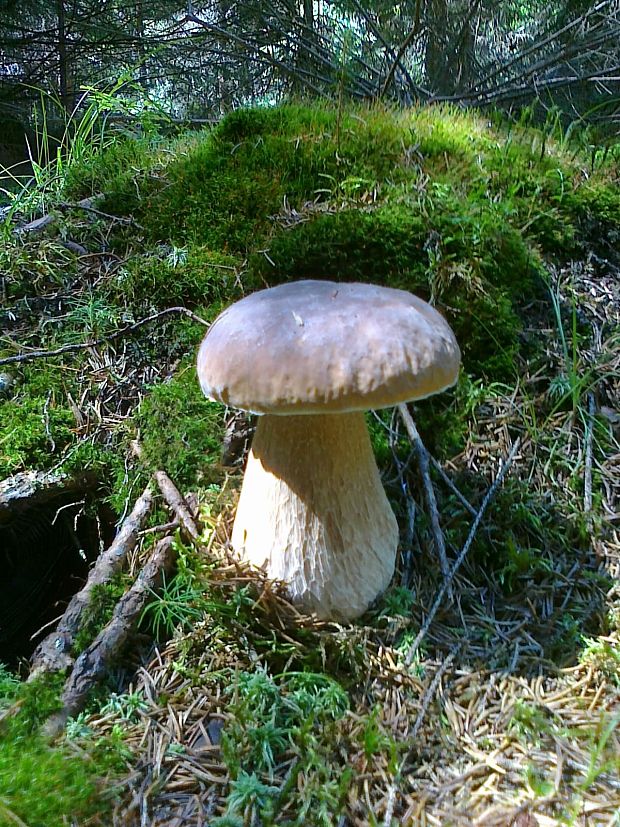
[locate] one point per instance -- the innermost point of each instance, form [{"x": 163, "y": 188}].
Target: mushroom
[{"x": 311, "y": 357}]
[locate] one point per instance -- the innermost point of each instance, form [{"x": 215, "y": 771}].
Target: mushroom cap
[{"x": 326, "y": 347}]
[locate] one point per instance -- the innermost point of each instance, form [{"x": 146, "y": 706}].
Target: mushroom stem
[{"x": 314, "y": 514}]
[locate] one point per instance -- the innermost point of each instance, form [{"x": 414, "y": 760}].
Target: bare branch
[
  {"x": 423, "y": 462},
  {"x": 462, "y": 554},
  {"x": 117, "y": 334},
  {"x": 53, "y": 653}
]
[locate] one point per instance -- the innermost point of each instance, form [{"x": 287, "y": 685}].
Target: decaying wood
[
  {"x": 94, "y": 661},
  {"x": 53, "y": 653},
  {"x": 431, "y": 501},
  {"x": 21, "y": 491},
  {"x": 173, "y": 497}
]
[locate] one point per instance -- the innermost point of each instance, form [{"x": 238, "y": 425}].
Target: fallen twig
[
  {"x": 94, "y": 661},
  {"x": 423, "y": 462},
  {"x": 458, "y": 494},
  {"x": 173, "y": 497},
  {"x": 87, "y": 207},
  {"x": 589, "y": 429},
  {"x": 39, "y": 224},
  {"x": 462, "y": 554},
  {"x": 45, "y": 354},
  {"x": 53, "y": 653}
]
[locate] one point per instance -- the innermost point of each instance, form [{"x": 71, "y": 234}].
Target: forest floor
[{"x": 499, "y": 706}]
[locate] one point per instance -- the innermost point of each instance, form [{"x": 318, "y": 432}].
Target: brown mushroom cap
[{"x": 326, "y": 347}]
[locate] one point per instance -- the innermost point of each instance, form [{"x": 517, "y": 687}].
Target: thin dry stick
[
  {"x": 426, "y": 702},
  {"x": 45, "y": 354},
  {"x": 82, "y": 205},
  {"x": 172, "y": 496},
  {"x": 431, "y": 501},
  {"x": 463, "y": 500},
  {"x": 52, "y": 654},
  {"x": 587, "y": 487},
  {"x": 463, "y": 553},
  {"x": 49, "y": 218}
]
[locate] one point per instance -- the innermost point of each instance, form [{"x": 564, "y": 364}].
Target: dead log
[
  {"x": 21, "y": 491},
  {"x": 94, "y": 661},
  {"x": 53, "y": 653}
]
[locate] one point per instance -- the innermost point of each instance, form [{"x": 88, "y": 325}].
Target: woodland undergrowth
[{"x": 246, "y": 712}]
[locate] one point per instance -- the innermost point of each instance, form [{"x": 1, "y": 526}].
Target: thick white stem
[{"x": 314, "y": 514}]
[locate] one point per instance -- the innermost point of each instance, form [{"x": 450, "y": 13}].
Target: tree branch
[
  {"x": 462, "y": 554},
  {"x": 117, "y": 334}
]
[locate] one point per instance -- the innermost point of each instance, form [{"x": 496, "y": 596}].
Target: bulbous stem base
[{"x": 314, "y": 514}]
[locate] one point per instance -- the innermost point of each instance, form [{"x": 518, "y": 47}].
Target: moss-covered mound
[{"x": 431, "y": 200}]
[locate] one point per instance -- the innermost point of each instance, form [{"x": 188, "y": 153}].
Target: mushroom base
[{"x": 314, "y": 514}]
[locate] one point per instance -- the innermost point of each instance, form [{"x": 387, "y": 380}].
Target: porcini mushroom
[{"x": 311, "y": 357}]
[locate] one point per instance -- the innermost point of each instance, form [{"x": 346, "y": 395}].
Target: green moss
[
  {"x": 385, "y": 246},
  {"x": 271, "y": 716},
  {"x": 98, "y": 613},
  {"x": 598, "y": 200},
  {"x": 181, "y": 431},
  {"x": 32, "y": 429},
  {"x": 222, "y": 192},
  {"x": 476, "y": 271},
  {"x": 189, "y": 276},
  {"x": 30, "y": 268},
  {"x": 44, "y": 785},
  {"x": 122, "y": 173}
]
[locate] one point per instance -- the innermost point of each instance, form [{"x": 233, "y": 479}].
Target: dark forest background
[{"x": 199, "y": 60}]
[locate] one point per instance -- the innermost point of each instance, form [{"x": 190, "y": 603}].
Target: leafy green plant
[
  {"x": 397, "y": 602},
  {"x": 8, "y": 684},
  {"x": 602, "y": 758},
  {"x": 128, "y": 705},
  {"x": 86, "y": 134},
  {"x": 604, "y": 654},
  {"x": 569, "y": 384},
  {"x": 178, "y": 604}
]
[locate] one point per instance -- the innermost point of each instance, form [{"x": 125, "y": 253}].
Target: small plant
[
  {"x": 127, "y": 706},
  {"x": 530, "y": 722},
  {"x": 8, "y": 685},
  {"x": 86, "y": 133},
  {"x": 178, "y": 604},
  {"x": 397, "y": 602},
  {"x": 248, "y": 791},
  {"x": 604, "y": 654},
  {"x": 295, "y": 711}
]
